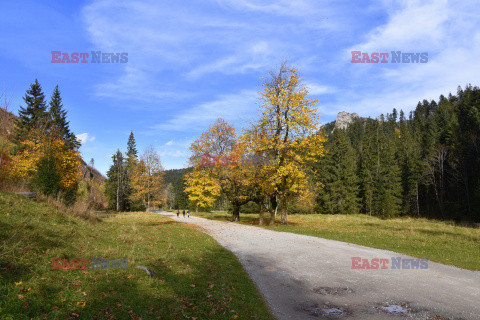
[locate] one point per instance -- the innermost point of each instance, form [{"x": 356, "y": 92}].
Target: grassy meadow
[
  {"x": 438, "y": 241},
  {"x": 195, "y": 277}
]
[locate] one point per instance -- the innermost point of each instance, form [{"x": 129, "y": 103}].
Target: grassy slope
[
  {"x": 437, "y": 241},
  {"x": 196, "y": 277}
]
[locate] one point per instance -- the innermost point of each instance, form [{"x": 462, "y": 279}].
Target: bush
[{"x": 250, "y": 207}]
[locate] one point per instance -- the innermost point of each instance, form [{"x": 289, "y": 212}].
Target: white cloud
[
  {"x": 231, "y": 107},
  {"x": 169, "y": 143},
  {"x": 317, "y": 89},
  {"x": 168, "y": 42},
  {"x": 85, "y": 137},
  {"x": 447, "y": 30}
]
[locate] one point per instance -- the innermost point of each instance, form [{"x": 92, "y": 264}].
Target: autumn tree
[
  {"x": 219, "y": 150},
  {"x": 45, "y": 161},
  {"x": 147, "y": 180},
  {"x": 291, "y": 133},
  {"x": 201, "y": 188}
]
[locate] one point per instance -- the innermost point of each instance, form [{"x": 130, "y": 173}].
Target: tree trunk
[
  {"x": 236, "y": 212},
  {"x": 418, "y": 205},
  {"x": 260, "y": 222},
  {"x": 196, "y": 210},
  {"x": 118, "y": 198},
  {"x": 273, "y": 209},
  {"x": 284, "y": 211}
]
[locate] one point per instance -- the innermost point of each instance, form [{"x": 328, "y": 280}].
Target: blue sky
[{"x": 190, "y": 62}]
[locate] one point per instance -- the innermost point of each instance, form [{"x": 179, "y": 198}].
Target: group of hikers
[{"x": 188, "y": 213}]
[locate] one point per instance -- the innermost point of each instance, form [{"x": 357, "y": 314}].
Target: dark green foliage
[
  {"x": 131, "y": 162},
  {"x": 34, "y": 115},
  {"x": 58, "y": 121},
  {"x": 250, "y": 207},
  {"x": 426, "y": 165},
  {"x": 47, "y": 178},
  {"x": 175, "y": 177},
  {"x": 116, "y": 186},
  {"x": 338, "y": 175}
]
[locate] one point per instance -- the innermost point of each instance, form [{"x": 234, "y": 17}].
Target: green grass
[
  {"x": 196, "y": 277},
  {"x": 437, "y": 241}
]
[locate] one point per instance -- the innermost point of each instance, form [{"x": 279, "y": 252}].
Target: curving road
[{"x": 303, "y": 277}]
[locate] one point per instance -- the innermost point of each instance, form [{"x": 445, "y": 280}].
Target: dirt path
[{"x": 303, "y": 277}]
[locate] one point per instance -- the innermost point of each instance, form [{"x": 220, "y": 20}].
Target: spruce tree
[
  {"x": 59, "y": 123},
  {"x": 116, "y": 185},
  {"x": 131, "y": 162},
  {"x": 47, "y": 178},
  {"x": 388, "y": 179},
  {"x": 34, "y": 115},
  {"x": 338, "y": 172},
  {"x": 368, "y": 166}
]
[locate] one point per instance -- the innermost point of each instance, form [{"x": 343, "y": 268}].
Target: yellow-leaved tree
[
  {"x": 201, "y": 188},
  {"x": 220, "y": 146},
  {"x": 147, "y": 180},
  {"x": 287, "y": 134},
  {"x": 44, "y": 160}
]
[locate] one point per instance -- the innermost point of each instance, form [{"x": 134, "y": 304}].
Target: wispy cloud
[
  {"x": 168, "y": 43},
  {"x": 447, "y": 30},
  {"x": 232, "y": 107}
]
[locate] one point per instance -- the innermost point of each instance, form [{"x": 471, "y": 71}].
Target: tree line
[
  {"x": 426, "y": 164},
  {"x": 135, "y": 183}
]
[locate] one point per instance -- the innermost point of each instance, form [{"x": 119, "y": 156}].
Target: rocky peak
[{"x": 344, "y": 119}]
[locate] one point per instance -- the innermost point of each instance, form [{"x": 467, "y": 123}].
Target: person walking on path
[
  {"x": 178, "y": 213},
  {"x": 188, "y": 213},
  {"x": 184, "y": 213}
]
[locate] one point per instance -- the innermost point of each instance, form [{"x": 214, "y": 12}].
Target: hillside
[{"x": 195, "y": 278}]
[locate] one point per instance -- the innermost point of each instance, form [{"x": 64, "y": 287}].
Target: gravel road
[{"x": 303, "y": 277}]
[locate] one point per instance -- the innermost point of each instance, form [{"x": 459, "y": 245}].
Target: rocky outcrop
[{"x": 344, "y": 119}]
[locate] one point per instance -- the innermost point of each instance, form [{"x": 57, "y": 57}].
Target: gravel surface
[{"x": 303, "y": 277}]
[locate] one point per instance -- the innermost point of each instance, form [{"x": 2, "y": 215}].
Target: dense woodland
[{"x": 426, "y": 163}]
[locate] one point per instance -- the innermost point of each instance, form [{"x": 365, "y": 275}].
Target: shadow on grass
[{"x": 206, "y": 283}]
